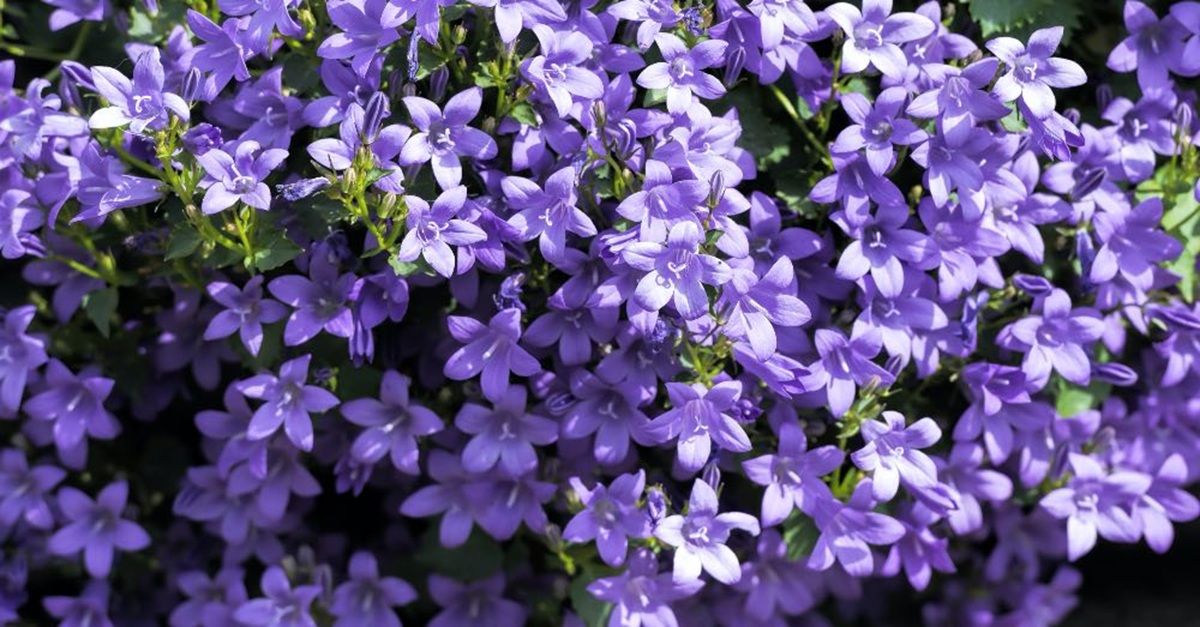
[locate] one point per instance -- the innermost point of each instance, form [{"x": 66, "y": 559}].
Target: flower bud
[
  {"x": 1115, "y": 373},
  {"x": 1177, "y": 317},
  {"x": 656, "y": 503},
  {"x": 437, "y": 83},
  {"x": 1087, "y": 181},
  {"x": 202, "y": 138},
  {"x": 78, "y": 74},
  {"x": 412, "y": 58},
  {"x": 734, "y": 66},
  {"x": 1104, "y": 96},
  {"x": 303, "y": 188},
  {"x": 1033, "y": 285},
  {"x": 1183, "y": 117},
  {"x": 1073, "y": 116},
  {"x": 716, "y": 188},
  {"x": 1085, "y": 250},
  {"x": 373, "y": 115},
  {"x": 193, "y": 81},
  {"x": 712, "y": 475}
]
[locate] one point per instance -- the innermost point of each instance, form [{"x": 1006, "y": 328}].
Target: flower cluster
[{"x": 638, "y": 312}]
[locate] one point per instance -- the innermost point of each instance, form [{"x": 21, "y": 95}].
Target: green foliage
[
  {"x": 1018, "y": 18},
  {"x": 100, "y": 306},
  {"x": 768, "y": 141},
  {"x": 479, "y": 557}
]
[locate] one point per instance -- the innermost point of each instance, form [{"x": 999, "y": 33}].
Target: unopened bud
[
  {"x": 734, "y": 66},
  {"x": 1033, "y": 285},
  {"x": 192, "y": 82},
  {"x": 373, "y": 115},
  {"x": 437, "y": 83},
  {"x": 712, "y": 475},
  {"x": 1088, "y": 181},
  {"x": 1116, "y": 374},
  {"x": 1104, "y": 96},
  {"x": 716, "y": 188}
]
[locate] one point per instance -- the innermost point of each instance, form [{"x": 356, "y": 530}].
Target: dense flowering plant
[{"x": 634, "y": 312}]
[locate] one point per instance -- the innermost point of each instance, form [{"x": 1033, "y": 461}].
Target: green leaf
[
  {"x": 800, "y": 535},
  {"x": 999, "y": 16},
  {"x": 591, "y": 610},
  {"x": 274, "y": 252},
  {"x": 525, "y": 114},
  {"x": 100, "y": 307},
  {"x": 1072, "y": 401},
  {"x": 477, "y": 558},
  {"x": 769, "y": 142},
  {"x": 184, "y": 241},
  {"x": 403, "y": 268}
]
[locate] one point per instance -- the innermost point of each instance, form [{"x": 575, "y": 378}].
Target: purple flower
[
  {"x": 920, "y": 551},
  {"x": 1133, "y": 244},
  {"x": 961, "y": 102},
  {"x": 1055, "y": 339},
  {"x": 245, "y": 312},
  {"x": 512, "y": 15},
  {"x": 641, "y": 595},
  {"x": 265, "y": 17},
  {"x": 611, "y": 411},
  {"x": 549, "y": 212},
  {"x": 1143, "y": 130},
  {"x": 504, "y": 435},
  {"x": 89, "y": 609},
  {"x": 104, "y": 187},
  {"x": 699, "y": 537},
  {"x": 96, "y": 528},
  {"x": 877, "y": 127},
  {"x": 393, "y": 424},
  {"x": 432, "y": 230},
  {"x": 1000, "y": 402},
  {"x": 1165, "y": 502},
  {"x": 367, "y": 598},
  {"x": 651, "y": 15},
  {"x": 491, "y": 350},
  {"x": 971, "y": 484},
  {"x": 75, "y": 406},
  {"x": 68, "y": 12},
  {"x": 321, "y": 301},
  {"x": 662, "y": 201},
  {"x": 17, "y": 219},
  {"x": 881, "y": 248},
  {"x": 445, "y": 138},
  {"x": 874, "y": 35},
  {"x": 501, "y": 503},
  {"x": 140, "y": 103},
  {"x": 1032, "y": 71},
  {"x": 368, "y": 26},
  {"x": 1154, "y": 47},
  {"x": 697, "y": 418},
  {"x": 1095, "y": 501},
  {"x": 892, "y": 454},
  {"x": 845, "y": 364},
  {"x": 754, "y": 306},
  {"x": 847, "y": 530},
  {"x": 211, "y": 601},
  {"x": 20, "y": 355},
  {"x": 469, "y": 604},
  {"x": 448, "y": 497},
  {"x": 676, "y": 272},
  {"x": 223, "y": 53},
  {"x": 239, "y": 177},
  {"x": 281, "y": 603},
  {"x": 558, "y": 72},
  {"x": 792, "y": 477},
  {"x": 610, "y": 516},
  {"x": 338, "y": 154},
  {"x": 288, "y": 401},
  {"x": 681, "y": 73},
  {"x": 23, "y": 491}
]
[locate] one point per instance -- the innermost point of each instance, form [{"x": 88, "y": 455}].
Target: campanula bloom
[
  {"x": 1032, "y": 71},
  {"x": 393, "y": 422},
  {"x": 490, "y": 350},
  {"x": 699, "y": 537},
  {"x": 96, "y": 528},
  {"x": 611, "y": 516},
  {"x": 288, "y": 402}
]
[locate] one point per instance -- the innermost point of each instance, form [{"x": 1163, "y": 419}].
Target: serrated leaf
[
  {"x": 769, "y": 142},
  {"x": 525, "y": 114},
  {"x": 477, "y": 558},
  {"x": 100, "y": 307},
  {"x": 274, "y": 253},
  {"x": 184, "y": 241},
  {"x": 1000, "y": 16},
  {"x": 591, "y": 610}
]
